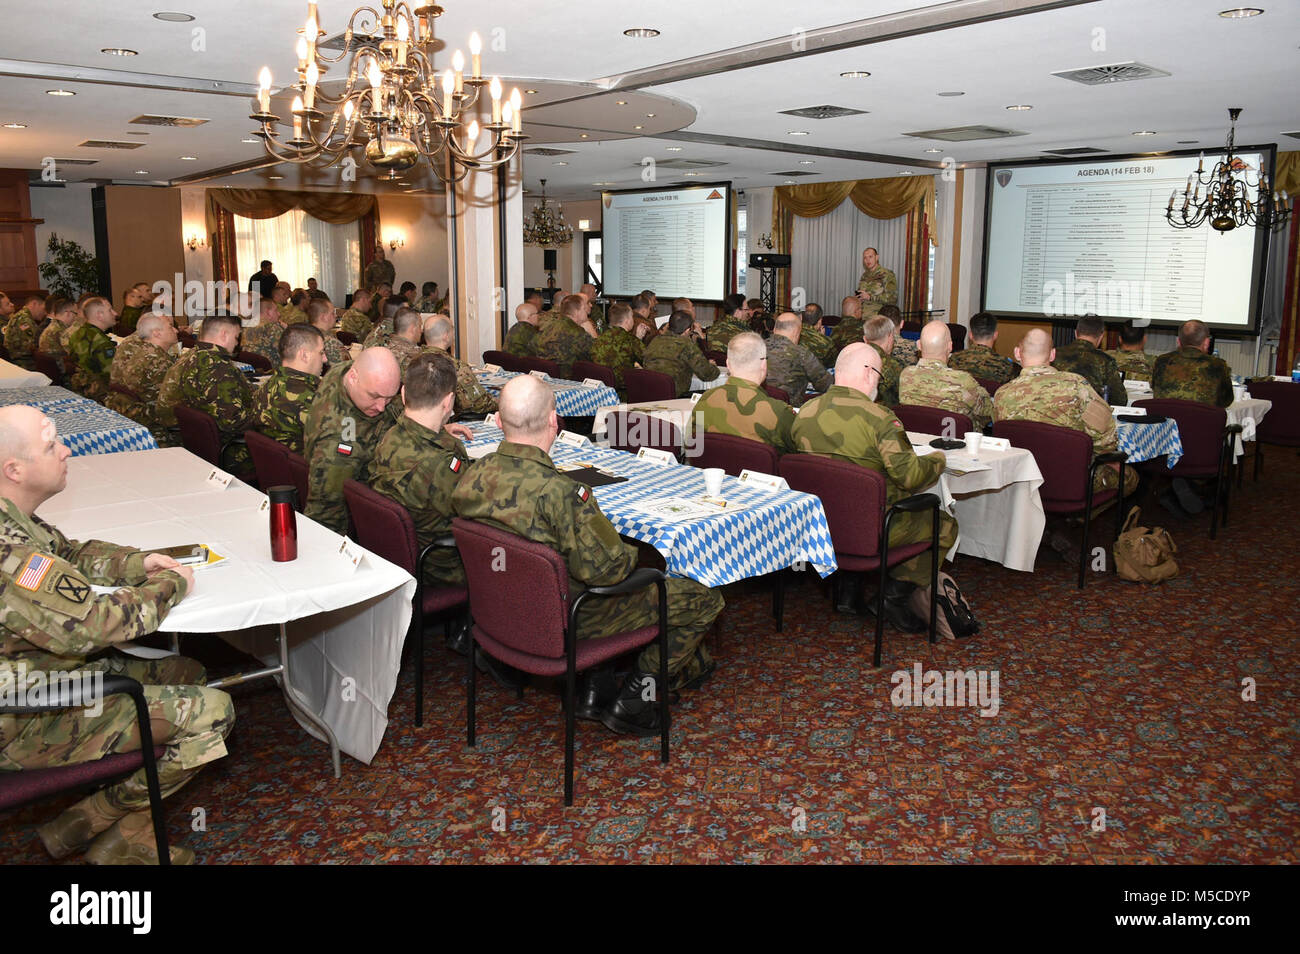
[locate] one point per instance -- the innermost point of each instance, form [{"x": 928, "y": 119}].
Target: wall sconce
[
  {"x": 194, "y": 242},
  {"x": 395, "y": 242},
  {"x": 584, "y": 225}
]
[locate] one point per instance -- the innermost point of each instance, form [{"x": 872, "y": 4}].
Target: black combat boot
[
  {"x": 636, "y": 710},
  {"x": 897, "y": 613},
  {"x": 596, "y": 690}
]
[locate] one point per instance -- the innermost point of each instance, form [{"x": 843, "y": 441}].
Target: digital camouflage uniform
[
  {"x": 518, "y": 489},
  {"x": 264, "y": 339},
  {"x": 405, "y": 351},
  {"x": 281, "y": 404},
  {"x": 563, "y": 342},
  {"x": 597, "y": 316},
  {"x": 339, "y": 442},
  {"x": 129, "y": 318},
  {"x": 521, "y": 340},
  {"x": 21, "y": 336},
  {"x": 818, "y": 343},
  {"x": 356, "y": 323},
  {"x": 679, "y": 358},
  {"x": 933, "y": 384},
  {"x": 379, "y": 334},
  {"x": 719, "y": 334},
  {"x": 847, "y": 332},
  {"x": 471, "y": 397},
  {"x": 91, "y": 350},
  {"x": 792, "y": 367},
  {"x": 206, "y": 379},
  {"x": 379, "y": 273},
  {"x": 1192, "y": 375},
  {"x": 981, "y": 361},
  {"x": 891, "y": 371},
  {"x": 905, "y": 351},
  {"x": 335, "y": 353},
  {"x": 427, "y": 305},
  {"x": 1134, "y": 365},
  {"x": 881, "y": 284},
  {"x": 618, "y": 349},
  {"x": 53, "y": 621},
  {"x": 141, "y": 366},
  {"x": 53, "y": 343},
  {"x": 419, "y": 468},
  {"x": 1096, "y": 367},
  {"x": 845, "y": 424},
  {"x": 742, "y": 408},
  {"x": 1051, "y": 396},
  {"x": 291, "y": 314}
]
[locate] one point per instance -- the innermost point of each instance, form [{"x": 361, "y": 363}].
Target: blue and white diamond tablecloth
[
  {"x": 572, "y": 398},
  {"x": 1145, "y": 441},
  {"x": 779, "y": 528},
  {"x": 85, "y": 426}
]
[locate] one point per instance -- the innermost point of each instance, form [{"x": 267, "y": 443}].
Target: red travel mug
[{"x": 284, "y": 523}]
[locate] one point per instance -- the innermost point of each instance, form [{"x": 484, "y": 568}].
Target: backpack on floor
[
  {"x": 1142, "y": 555},
  {"x": 955, "y": 619}
]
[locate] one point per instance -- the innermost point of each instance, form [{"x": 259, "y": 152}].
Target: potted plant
[{"x": 69, "y": 270}]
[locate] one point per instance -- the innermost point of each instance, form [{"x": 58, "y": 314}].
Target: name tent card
[
  {"x": 492, "y": 368},
  {"x": 654, "y": 456},
  {"x": 592, "y": 383},
  {"x": 219, "y": 479},
  {"x": 995, "y": 443},
  {"x": 572, "y": 439},
  {"x": 350, "y": 552},
  {"x": 538, "y": 374},
  {"x": 756, "y": 478}
]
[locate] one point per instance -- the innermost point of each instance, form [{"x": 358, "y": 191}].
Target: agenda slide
[
  {"x": 1064, "y": 239},
  {"x": 674, "y": 241}
]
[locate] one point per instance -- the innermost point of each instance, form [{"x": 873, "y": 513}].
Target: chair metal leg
[
  {"x": 151, "y": 778},
  {"x": 417, "y": 618},
  {"x": 665, "y": 716},
  {"x": 570, "y": 704},
  {"x": 934, "y": 577},
  {"x": 1083, "y": 544},
  {"x": 471, "y": 690},
  {"x": 1259, "y": 458},
  {"x": 880, "y": 612},
  {"x": 778, "y": 600}
]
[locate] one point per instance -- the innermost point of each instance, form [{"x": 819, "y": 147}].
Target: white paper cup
[
  {"x": 713, "y": 480},
  {"x": 973, "y": 441}
]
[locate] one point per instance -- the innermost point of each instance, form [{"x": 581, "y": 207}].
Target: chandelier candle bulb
[
  {"x": 495, "y": 89},
  {"x": 403, "y": 35},
  {"x": 313, "y": 77},
  {"x": 471, "y": 136},
  {"x": 475, "y": 48},
  {"x": 516, "y": 101},
  {"x": 302, "y": 54},
  {"x": 507, "y": 115},
  {"x": 458, "y": 64},
  {"x": 264, "y": 91},
  {"x": 297, "y": 117}
]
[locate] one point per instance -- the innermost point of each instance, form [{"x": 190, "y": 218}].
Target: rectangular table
[
  {"x": 338, "y": 631},
  {"x": 86, "y": 426},
  {"x": 1147, "y": 441},
  {"x": 572, "y": 398},
  {"x": 12, "y": 376}
]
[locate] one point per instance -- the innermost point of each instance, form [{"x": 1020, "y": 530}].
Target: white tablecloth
[
  {"x": 343, "y": 623},
  {"x": 1248, "y": 413},
  {"x": 677, "y": 412},
  {"x": 12, "y": 376},
  {"x": 999, "y": 513}
]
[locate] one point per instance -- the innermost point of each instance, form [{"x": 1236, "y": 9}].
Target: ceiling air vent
[
  {"x": 822, "y": 112},
  {"x": 108, "y": 144},
  {"x": 548, "y": 151},
  {"x": 1293, "y": 135},
  {"x": 184, "y": 121},
  {"x": 75, "y": 162},
  {"x": 1075, "y": 151},
  {"x": 1111, "y": 73},
  {"x": 684, "y": 163},
  {"x": 799, "y": 172},
  {"x": 966, "y": 133}
]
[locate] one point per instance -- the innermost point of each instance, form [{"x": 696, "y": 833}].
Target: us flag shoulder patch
[
  {"x": 583, "y": 493},
  {"x": 455, "y": 465},
  {"x": 32, "y": 575},
  {"x": 345, "y": 449}
]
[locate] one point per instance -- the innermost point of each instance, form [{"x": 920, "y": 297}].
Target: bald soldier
[
  {"x": 846, "y": 423},
  {"x": 517, "y": 488},
  {"x": 1046, "y": 394},
  {"x": 1083, "y": 357},
  {"x": 521, "y": 339},
  {"x": 53, "y": 622},
  {"x": 281, "y": 404},
  {"x": 739, "y": 405},
  {"x": 978, "y": 358},
  {"x": 408, "y": 331},
  {"x": 674, "y": 353},
  {"x": 1191, "y": 373},
  {"x": 140, "y": 364},
  {"x": 931, "y": 383},
  {"x": 790, "y": 366},
  {"x": 471, "y": 398},
  {"x": 878, "y": 333},
  {"x": 878, "y": 285}
]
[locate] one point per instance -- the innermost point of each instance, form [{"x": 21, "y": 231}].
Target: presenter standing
[{"x": 877, "y": 286}]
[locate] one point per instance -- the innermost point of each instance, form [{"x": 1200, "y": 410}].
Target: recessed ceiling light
[
  {"x": 275, "y": 177},
  {"x": 906, "y": 172},
  {"x": 690, "y": 173},
  {"x": 1019, "y": 109},
  {"x": 559, "y": 163},
  {"x": 934, "y": 149},
  {"x": 952, "y": 92},
  {"x": 530, "y": 91},
  {"x": 1237, "y": 13},
  {"x": 789, "y": 182},
  {"x": 807, "y": 162},
  {"x": 59, "y": 92},
  {"x": 673, "y": 149},
  {"x": 582, "y": 135},
  {"x": 15, "y": 125},
  {"x": 142, "y": 172},
  {"x": 855, "y": 74},
  {"x": 621, "y": 102},
  {"x": 649, "y": 115},
  {"x": 1144, "y": 132},
  {"x": 173, "y": 17},
  {"x": 638, "y": 127},
  {"x": 189, "y": 158},
  {"x": 796, "y": 132},
  {"x": 118, "y": 51},
  {"x": 641, "y": 33}
]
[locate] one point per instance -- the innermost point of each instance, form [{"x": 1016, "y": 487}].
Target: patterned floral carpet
[{"x": 1120, "y": 699}]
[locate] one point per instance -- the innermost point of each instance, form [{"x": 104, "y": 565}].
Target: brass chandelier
[
  {"x": 1227, "y": 203},
  {"x": 392, "y": 104},
  {"x": 547, "y": 226}
]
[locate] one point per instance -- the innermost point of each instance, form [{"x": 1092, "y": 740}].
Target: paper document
[{"x": 680, "y": 509}]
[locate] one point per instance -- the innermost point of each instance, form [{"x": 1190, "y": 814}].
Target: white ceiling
[{"x": 1215, "y": 62}]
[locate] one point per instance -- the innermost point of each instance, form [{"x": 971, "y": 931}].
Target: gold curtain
[
  {"x": 1288, "y": 173},
  {"x": 332, "y": 207}
]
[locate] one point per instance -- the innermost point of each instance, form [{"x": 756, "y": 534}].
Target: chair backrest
[
  {"x": 346, "y": 338},
  {"x": 631, "y": 430},
  {"x": 933, "y": 420},
  {"x": 779, "y": 394},
  {"x": 1063, "y": 455},
  {"x": 1200, "y": 428},
  {"x": 46, "y": 364},
  {"x": 259, "y": 363},
  {"x": 853, "y": 497},
  {"x": 644, "y": 385},
  {"x": 510, "y": 362},
  {"x": 199, "y": 433},
  {"x": 187, "y": 338},
  {"x": 830, "y": 321},
  {"x": 988, "y": 384},
  {"x": 590, "y": 369},
  {"x": 496, "y": 357},
  {"x": 526, "y": 608},
  {"x": 958, "y": 335},
  {"x": 717, "y": 357},
  {"x": 298, "y": 474},
  {"x": 270, "y": 461},
  {"x": 1282, "y": 422},
  {"x": 734, "y": 454},
  {"x": 383, "y": 526},
  {"x": 539, "y": 364}
]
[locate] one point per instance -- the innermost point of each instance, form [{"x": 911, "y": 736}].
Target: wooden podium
[{"x": 18, "y": 257}]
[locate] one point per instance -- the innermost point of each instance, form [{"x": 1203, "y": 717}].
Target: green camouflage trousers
[
  {"x": 692, "y": 608},
  {"x": 1107, "y": 478},
  {"x": 199, "y": 719},
  {"x": 915, "y": 528}
]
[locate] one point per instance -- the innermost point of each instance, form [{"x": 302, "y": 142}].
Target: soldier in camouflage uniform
[
  {"x": 564, "y": 339},
  {"x": 62, "y": 314},
  {"x": 134, "y": 302},
  {"x": 790, "y": 366},
  {"x": 295, "y": 312},
  {"x": 877, "y": 286},
  {"x": 321, "y": 315},
  {"x": 1192, "y": 373},
  {"x": 739, "y": 406},
  {"x": 813, "y": 335},
  {"x": 674, "y": 353},
  {"x": 618, "y": 348},
  {"x": 734, "y": 321},
  {"x": 23, "y": 331},
  {"x": 6, "y": 309},
  {"x": 91, "y": 350},
  {"x": 404, "y": 342},
  {"x": 356, "y": 320},
  {"x": 205, "y": 378},
  {"x": 379, "y": 271},
  {"x": 427, "y": 303},
  {"x": 383, "y": 328},
  {"x": 422, "y": 458},
  {"x": 1048, "y": 395},
  {"x": 521, "y": 339},
  {"x": 264, "y": 337},
  {"x": 471, "y": 398},
  {"x": 353, "y": 408},
  {"x": 518, "y": 489},
  {"x": 141, "y": 363},
  {"x": 931, "y": 383},
  {"x": 643, "y": 316},
  {"x": 51, "y": 621},
  {"x": 978, "y": 358},
  {"x": 281, "y": 404},
  {"x": 849, "y": 330},
  {"x": 595, "y": 313},
  {"x": 1083, "y": 357},
  {"x": 878, "y": 332},
  {"x": 1131, "y": 357},
  {"x": 905, "y": 351}
]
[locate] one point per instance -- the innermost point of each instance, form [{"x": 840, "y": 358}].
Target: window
[{"x": 301, "y": 247}]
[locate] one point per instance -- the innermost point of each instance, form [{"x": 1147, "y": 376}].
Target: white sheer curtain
[
  {"x": 826, "y": 252},
  {"x": 301, "y": 247}
]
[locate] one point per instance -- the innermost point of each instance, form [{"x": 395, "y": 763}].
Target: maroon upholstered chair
[
  {"x": 717, "y": 357},
  {"x": 496, "y": 357},
  {"x": 855, "y": 500},
  {"x": 259, "y": 363},
  {"x": 270, "y": 461},
  {"x": 779, "y": 394},
  {"x": 989, "y": 385},
  {"x": 1207, "y": 448},
  {"x": 298, "y": 475},
  {"x": 346, "y": 338},
  {"x": 644, "y": 385},
  {"x": 734, "y": 454},
  {"x": 538, "y": 364},
  {"x": 528, "y": 619},
  {"x": 1064, "y": 457},
  {"x": 933, "y": 420},
  {"x": 187, "y": 338},
  {"x": 49, "y": 367},
  {"x": 201, "y": 436},
  {"x": 830, "y": 321},
  {"x": 510, "y": 362},
  {"x": 958, "y": 333},
  {"x": 1281, "y": 425},
  {"x": 631, "y": 430},
  {"x": 590, "y": 369},
  {"x": 28, "y": 785},
  {"x": 384, "y": 527}
]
